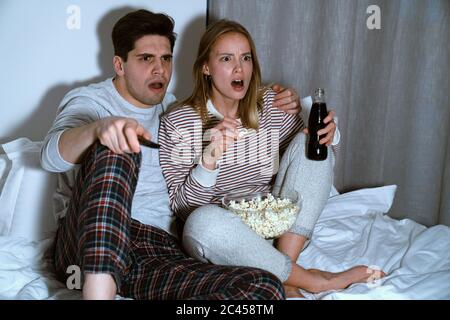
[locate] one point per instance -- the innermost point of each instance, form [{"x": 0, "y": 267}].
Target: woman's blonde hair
[{"x": 252, "y": 101}]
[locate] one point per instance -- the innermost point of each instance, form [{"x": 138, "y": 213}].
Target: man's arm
[
  {"x": 77, "y": 127},
  {"x": 70, "y": 135},
  {"x": 117, "y": 133},
  {"x": 75, "y": 141},
  {"x": 286, "y": 99}
]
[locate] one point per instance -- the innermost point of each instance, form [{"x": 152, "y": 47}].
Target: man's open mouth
[{"x": 156, "y": 85}]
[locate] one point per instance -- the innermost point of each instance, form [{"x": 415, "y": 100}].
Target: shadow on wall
[
  {"x": 185, "y": 58},
  {"x": 38, "y": 123}
]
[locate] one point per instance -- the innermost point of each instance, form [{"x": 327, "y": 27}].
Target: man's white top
[{"x": 90, "y": 103}]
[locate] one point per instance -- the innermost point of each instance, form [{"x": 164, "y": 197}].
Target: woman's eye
[
  {"x": 247, "y": 58},
  {"x": 226, "y": 59}
]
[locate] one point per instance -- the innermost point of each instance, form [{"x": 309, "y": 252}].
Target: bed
[{"x": 354, "y": 229}]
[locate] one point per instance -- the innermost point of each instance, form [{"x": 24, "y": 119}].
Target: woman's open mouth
[{"x": 237, "y": 84}]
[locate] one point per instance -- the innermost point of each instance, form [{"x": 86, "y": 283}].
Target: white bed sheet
[
  {"x": 415, "y": 258},
  {"x": 352, "y": 230}
]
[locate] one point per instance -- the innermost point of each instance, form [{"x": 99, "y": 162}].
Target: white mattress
[{"x": 352, "y": 230}]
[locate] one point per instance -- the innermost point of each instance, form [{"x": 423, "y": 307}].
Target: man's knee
[
  {"x": 99, "y": 151},
  {"x": 100, "y": 161}
]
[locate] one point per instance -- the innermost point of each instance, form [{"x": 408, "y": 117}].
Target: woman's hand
[
  {"x": 221, "y": 136},
  {"x": 328, "y": 131}
]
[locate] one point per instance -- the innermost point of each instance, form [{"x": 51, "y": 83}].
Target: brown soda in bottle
[{"x": 315, "y": 150}]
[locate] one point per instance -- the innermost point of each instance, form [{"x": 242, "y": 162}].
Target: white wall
[{"x": 46, "y": 51}]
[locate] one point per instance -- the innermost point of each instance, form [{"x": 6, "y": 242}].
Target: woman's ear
[{"x": 205, "y": 69}]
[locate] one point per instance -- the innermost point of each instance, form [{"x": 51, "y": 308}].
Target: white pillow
[
  {"x": 359, "y": 202},
  {"x": 26, "y": 206}
]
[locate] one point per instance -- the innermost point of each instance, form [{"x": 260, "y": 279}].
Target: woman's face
[{"x": 230, "y": 67}]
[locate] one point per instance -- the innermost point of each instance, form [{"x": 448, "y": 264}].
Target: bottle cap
[{"x": 320, "y": 92}]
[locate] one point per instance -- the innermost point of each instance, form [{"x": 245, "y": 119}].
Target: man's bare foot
[
  {"x": 333, "y": 281},
  {"x": 292, "y": 292}
]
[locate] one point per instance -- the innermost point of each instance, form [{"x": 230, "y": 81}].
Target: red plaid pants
[{"x": 98, "y": 235}]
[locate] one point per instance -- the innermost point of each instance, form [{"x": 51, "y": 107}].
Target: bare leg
[
  {"x": 228, "y": 241},
  {"x": 314, "y": 280},
  {"x": 99, "y": 286},
  {"x": 291, "y": 244}
]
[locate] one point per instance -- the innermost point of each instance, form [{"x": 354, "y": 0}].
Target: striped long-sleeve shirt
[{"x": 248, "y": 165}]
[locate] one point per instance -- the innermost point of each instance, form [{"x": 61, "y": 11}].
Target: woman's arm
[{"x": 190, "y": 184}]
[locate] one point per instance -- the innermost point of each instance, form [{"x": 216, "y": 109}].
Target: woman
[{"x": 227, "y": 137}]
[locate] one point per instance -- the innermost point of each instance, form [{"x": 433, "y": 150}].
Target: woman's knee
[
  {"x": 297, "y": 146},
  {"x": 297, "y": 150},
  {"x": 205, "y": 220},
  {"x": 210, "y": 228},
  {"x": 300, "y": 137}
]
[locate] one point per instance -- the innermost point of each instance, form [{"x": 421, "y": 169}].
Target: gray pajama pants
[{"x": 214, "y": 234}]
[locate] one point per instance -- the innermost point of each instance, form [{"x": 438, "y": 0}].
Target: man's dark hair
[{"x": 137, "y": 24}]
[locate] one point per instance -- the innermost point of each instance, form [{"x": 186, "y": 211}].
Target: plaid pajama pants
[{"x": 98, "y": 235}]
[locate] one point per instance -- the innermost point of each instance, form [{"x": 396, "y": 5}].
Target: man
[{"x": 114, "y": 217}]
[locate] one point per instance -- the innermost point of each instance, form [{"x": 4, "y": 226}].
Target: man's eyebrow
[
  {"x": 152, "y": 55},
  {"x": 145, "y": 55}
]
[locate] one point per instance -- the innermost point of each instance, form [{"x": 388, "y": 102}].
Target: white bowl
[{"x": 268, "y": 215}]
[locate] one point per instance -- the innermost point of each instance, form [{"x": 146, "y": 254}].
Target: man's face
[{"x": 146, "y": 74}]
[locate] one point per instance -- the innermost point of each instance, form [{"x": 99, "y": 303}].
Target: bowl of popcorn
[{"x": 268, "y": 215}]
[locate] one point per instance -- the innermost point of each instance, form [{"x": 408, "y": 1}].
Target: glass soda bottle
[{"x": 315, "y": 150}]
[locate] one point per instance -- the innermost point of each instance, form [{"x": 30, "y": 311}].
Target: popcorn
[
  {"x": 245, "y": 132},
  {"x": 269, "y": 217}
]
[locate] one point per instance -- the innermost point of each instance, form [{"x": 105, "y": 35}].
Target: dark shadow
[
  {"x": 186, "y": 47},
  {"x": 35, "y": 127},
  {"x": 38, "y": 123}
]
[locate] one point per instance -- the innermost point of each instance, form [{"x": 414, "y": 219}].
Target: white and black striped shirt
[{"x": 248, "y": 165}]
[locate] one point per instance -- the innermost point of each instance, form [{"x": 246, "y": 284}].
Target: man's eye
[
  {"x": 168, "y": 58},
  {"x": 146, "y": 58},
  {"x": 226, "y": 59}
]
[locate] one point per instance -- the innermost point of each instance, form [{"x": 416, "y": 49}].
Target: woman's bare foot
[
  {"x": 332, "y": 281},
  {"x": 292, "y": 292}
]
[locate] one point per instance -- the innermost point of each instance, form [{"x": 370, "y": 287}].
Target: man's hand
[
  {"x": 120, "y": 134},
  {"x": 221, "y": 136},
  {"x": 328, "y": 131},
  {"x": 286, "y": 100}
]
